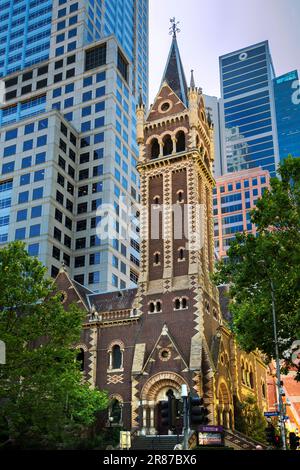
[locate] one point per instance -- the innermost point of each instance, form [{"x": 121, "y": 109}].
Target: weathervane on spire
[{"x": 174, "y": 27}]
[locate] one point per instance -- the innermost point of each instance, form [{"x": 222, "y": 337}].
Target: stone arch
[
  {"x": 162, "y": 380},
  {"x": 116, "y": 342},
  {"x": 153, "y": 136},
  {"x": 225, "y": 405},
  {"x": 116, "y": 396},
  {"x": 82, "y": 346},
  {"x": 224, "y": 394}
]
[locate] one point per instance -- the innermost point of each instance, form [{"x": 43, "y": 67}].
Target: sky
[{"x": 210, "y": 28}]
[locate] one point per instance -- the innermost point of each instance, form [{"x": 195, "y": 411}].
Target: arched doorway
[
  {"x": 155, "y": 391},
  {"x": 225, "y": 406}
]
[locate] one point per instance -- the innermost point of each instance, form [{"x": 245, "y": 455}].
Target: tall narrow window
[
  {"x": 180, "y": 196},
  {"x": 181, "y": 254},
  {"x": 184, "y": 303},
  {"x": 116, "y": 357},
  {"x": 80, "y": 359},
  {"x": 115, "y": 411},
  {"x": 157, "y": 258},
  {"x": 154, "y": 148},
  {"x": 167, "y": 145},
  {"x": 180, "y": 141}
]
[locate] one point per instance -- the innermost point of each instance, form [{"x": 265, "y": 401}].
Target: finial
[
  {"x": 192, "y": 84},
  {"x": 174, "y": 27},
  {"x": 140, "y": 98},
  {"x": 63, "y": 267}
]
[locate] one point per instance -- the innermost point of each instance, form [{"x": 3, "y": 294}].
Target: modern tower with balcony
[{"x": 68, "y": 133}]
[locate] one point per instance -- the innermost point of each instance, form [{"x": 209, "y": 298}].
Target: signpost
[
  {"x": 271, "y": 413},
  {"x": 210, "y": 435}
]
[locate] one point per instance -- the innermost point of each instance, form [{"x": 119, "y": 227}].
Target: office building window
[
  {"x": 33, "y": 249},
  {"x": 95, "y": 57}
]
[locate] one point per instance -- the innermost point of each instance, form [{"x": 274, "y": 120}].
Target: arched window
[
  {"x": 180, "y": 196},
  {"x": 181, "y": 254},
  {"x": 80, "y": 359},
  {"x": 177, "y": 304},
  {"x": 156, "y": 200},
  {"x": 263, "y": 389},
  {"x": 154, "y": 148},
  {"x": 115, "y": 411},
  {"x": 167, "y": 145},
  {"x": 155, "y": 307},
  {"x": 116, "y": 354},
  {"x": 184, "y": 303},
  {"x": 243, "y": 372},
  {"x": 180, "y": 141},
  {"x": 251, "y": 379},
  {"x": 157, "y": 258}
]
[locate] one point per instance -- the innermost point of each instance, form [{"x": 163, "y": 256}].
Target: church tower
[
  {"x": 176, "y": 298},
  {"x": 143, "y": 344}
]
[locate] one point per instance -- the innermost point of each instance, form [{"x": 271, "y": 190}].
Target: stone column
[
  {"x": 174, "y": 140},
  {"x": 161, "y": 149},
  {"x": 144, "y": 423},
  {"x": 152, "y": 429}
]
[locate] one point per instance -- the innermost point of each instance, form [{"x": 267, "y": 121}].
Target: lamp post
[
  {"x": 280, "y": 401},
  {"x": 184, "y": 395}
]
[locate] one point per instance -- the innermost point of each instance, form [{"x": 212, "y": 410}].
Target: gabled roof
[
  {"x": 112, "y": 301},
  {"x": 174, "y": 73}
]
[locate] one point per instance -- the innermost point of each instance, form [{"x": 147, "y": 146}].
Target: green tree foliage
[
  {"x": 249, "y": 419},
  {"x": 273, "y": 255},
  {"x": 44, "y": 399}
]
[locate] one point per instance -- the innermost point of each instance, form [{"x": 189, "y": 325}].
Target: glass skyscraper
[
  {"x": 287, "y": 103},
  {"x": 248, "y": 112},
  {"x": 68, "y": 135},
  {"x": 26, "y": 27},
  {"x": 25, "y": 32}
]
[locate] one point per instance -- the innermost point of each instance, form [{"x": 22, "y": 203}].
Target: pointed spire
[
  {"x": 174, "y": 73},
  {"x": 192, "y": 82},
  {"x": 209, "y": 119},
  {"x": 140, "y": 101}
]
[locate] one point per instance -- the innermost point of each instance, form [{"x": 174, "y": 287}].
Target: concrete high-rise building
[
  {"x": 68, "y": 137},
  {"x": 248, "y": 116},
  {"x": 287, "y": 104},
  {"x": 32, "y": 31},
  {"x": 234, "y": 195}
]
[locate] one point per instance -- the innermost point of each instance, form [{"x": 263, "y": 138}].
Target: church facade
[{"x": 172, "y": 329}]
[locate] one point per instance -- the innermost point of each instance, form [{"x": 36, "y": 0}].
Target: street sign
[
  {"x": 271, "y": 413},
  {"x": 209, "y": 428},
  {"x": 210, "y": 439}
]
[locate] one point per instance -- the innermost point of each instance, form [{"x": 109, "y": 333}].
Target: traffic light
[
  {"x": 271, "y": 437},
  {"x": 294, "y": 441},
  {"x": 168, "y": 412},
  {"x": 198, "y": 412},
  {"x": 164, "y": 413}
]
